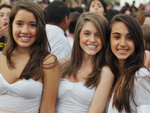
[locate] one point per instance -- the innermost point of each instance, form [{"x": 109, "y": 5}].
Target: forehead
[
  {"x": 96, "y": 2},
  {"x": 147, "y": 21},
  {"x": 25, "y": 15},
  {"x": 5, "y": 9},
  {"x": 119, "y": 27}
]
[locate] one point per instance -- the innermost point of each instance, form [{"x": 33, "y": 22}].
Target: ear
[{"x": 67, "y": 20}]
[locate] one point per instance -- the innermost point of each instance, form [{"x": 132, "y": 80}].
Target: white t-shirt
[{"x": 59, "y": 44}]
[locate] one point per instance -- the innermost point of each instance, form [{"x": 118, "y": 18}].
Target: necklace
[{"x": 79, "y": 72}]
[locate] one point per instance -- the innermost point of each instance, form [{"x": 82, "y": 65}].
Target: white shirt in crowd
[{"x": 59, "y": 44}]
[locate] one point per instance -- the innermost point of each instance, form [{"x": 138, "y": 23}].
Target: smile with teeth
[
  {"x": 25, "y": 38},
  {"x": 122, "y": 50},
  {"x": 91, "y": 46}
]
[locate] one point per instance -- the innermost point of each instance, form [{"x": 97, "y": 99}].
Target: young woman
[
  {"x": 125, "y": 57},
  {"x": 85, "y": 83},
  {"x": 98, "y": 6},
  {"x": 29, "y": 74}
]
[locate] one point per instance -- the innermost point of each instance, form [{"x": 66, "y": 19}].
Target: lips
[
  {"x": 91, "y": 46},
  {"x": 122, "y": 50}
]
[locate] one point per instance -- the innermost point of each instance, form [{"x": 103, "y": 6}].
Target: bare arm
[
  {"x": 103, "y": 90},
  {"x": 51, "y": 79},
  {"x": 147, "y": 59}
]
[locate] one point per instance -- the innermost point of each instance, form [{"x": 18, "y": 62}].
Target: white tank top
[
  {"x": 73, "y": 97},
  {"x": 23, "y": 96}
]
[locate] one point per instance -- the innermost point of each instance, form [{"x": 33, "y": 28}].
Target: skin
[
  {"x": 90, "y": 40},
  {"x": 96, "y": 6},
  {"x": 147, "y": 59},
  {"x": 146, "y": 21},
  {"x": 121, "y": 42},
  {"x": 27, "y": 27},
  {"x": 4, "y": 18},
  {"x": 89, "y": 36}
]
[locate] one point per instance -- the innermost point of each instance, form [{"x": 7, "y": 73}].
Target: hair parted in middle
[
  {"x": 40, "y": 48},
  {"x": 100, "y": 22},
  {"x": 133, "y": 63},
  {"x": 141, "y": 16}
]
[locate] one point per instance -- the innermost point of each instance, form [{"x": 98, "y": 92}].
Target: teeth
[
  {"x": 91, "y": 46},
  {"x": 25, "y": 38},
  {"x": 122, "y": 50}
]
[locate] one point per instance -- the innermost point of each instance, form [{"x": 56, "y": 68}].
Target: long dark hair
[
  {"x": 123, "y": 86},
  {"x": 39, "y": 50},
  {"x": 101, "y": 24}
]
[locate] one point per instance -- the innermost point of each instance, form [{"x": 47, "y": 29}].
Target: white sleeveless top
[
  {"x": 23, "y": 96},
  {"x": 73, "y": 97},
  {"x": 141, "y": 94}
]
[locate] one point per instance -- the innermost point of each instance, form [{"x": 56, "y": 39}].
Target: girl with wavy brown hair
[
  {"x": 125, "y": 57},
  {"x": 86, "y": 83},
  {"x": 29, "y": 73}
]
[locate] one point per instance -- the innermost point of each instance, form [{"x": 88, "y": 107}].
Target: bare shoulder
[
  {"x": 147, "y": 54},
  {"x": 63, "y": 61},
  {"x": 50, "y": 59},
  {"x": 106, "y": 71}
]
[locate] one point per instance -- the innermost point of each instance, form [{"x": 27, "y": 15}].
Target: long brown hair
[
  {"x": 141, "y": 16},
  {"x": 146, "y": 36},
  {"x": 39, "y": 50},
  {"x": 123, "y": 87},
  {"x": 101, "y": 24}
]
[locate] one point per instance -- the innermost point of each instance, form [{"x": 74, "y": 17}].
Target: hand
[{"x": 3, "y": 30}]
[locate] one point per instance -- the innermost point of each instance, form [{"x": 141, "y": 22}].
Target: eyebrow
[
  {"x": 22, "y": 21},
  {"x": 120, "y": 34}
]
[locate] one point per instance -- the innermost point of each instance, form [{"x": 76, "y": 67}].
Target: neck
[
  {"x": 87, "y": 61},
  {"x": 22, "y": 51}
]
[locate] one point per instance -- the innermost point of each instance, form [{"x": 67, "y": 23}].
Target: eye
[
  {"x": 99, "y": 6},
  {"x": 1, "y": 15},
  {"x": 19, "y": 24},
  {"x": 97, "y": 35},
  {"x": 116, "y": 37},
  {"x": 33, "y": 25},
  {"x": 130, "y": 38},
  {"x": 87, "y": 34}
]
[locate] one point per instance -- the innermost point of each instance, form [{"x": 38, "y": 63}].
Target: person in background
[
  {"x": 125, "y": 57},
  {"x": 73, "y": 20},
  {"x": 57, "y": 16},
  {"x": 4, "y": 18},
  {"x": 146, "y": 36},
  {"x": 29, "y": 73},
  {"x": 143, "y": 18},
  {"x": 98, "y": 6},
  {"x": 85, "y": 84}
]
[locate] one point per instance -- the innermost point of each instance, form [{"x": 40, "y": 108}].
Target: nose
[
  {"x": 122, "y": 42},
  {"x": 25, "y": 29},
  {"x": 92, "y": 38},
  {"x": 96, "y": 6}
]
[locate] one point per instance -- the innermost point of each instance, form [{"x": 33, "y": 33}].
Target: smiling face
[
  {"x": 121, "y": 42},
  {"x": 96, "y": 6},
  {"x": 24, "y": 28},
  {"x": 90, "y": 40}
]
